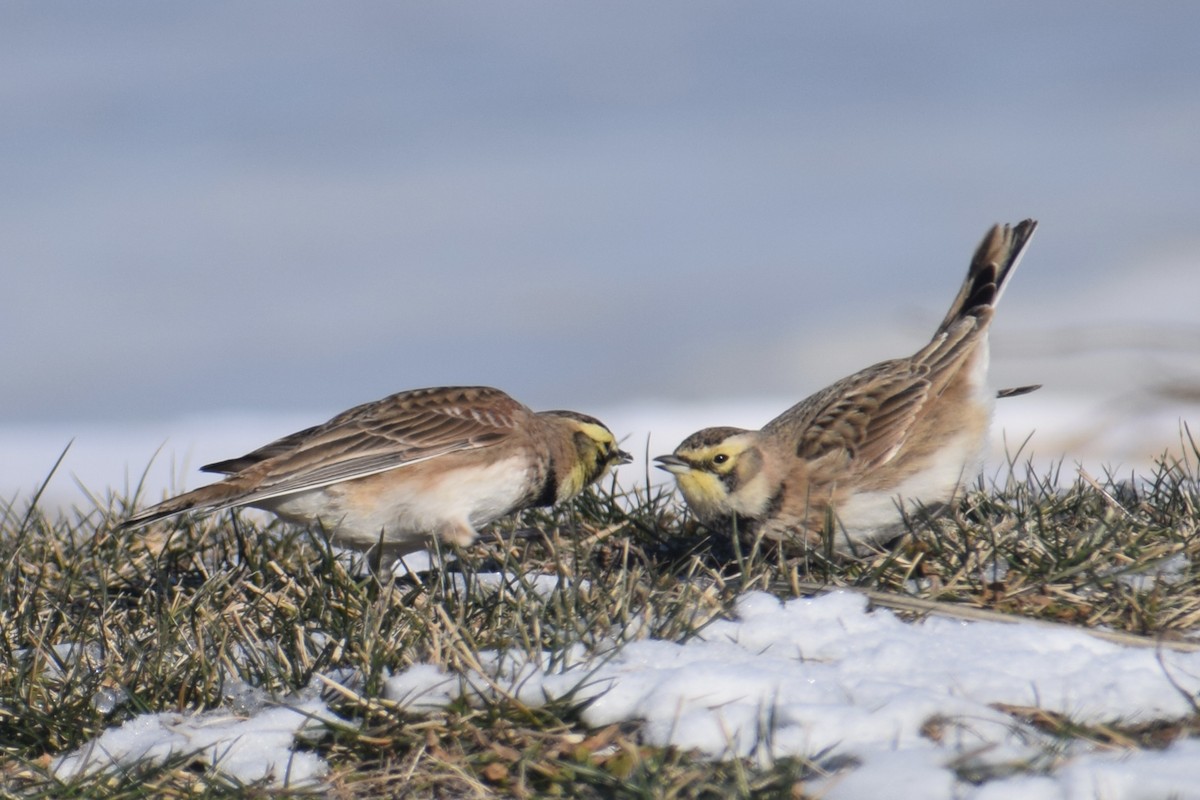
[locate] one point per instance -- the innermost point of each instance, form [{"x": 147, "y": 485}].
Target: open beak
[
  {"x": 672, "y": 464},
  {"x": 623, "y": 457}
]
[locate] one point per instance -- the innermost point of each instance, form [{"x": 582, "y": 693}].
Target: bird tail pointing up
[{"x": 994, "y": 261}]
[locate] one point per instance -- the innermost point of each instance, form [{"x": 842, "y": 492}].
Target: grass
[{"x": 97, "y": 627}]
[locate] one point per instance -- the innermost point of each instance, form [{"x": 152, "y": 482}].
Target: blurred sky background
[{"x": 288, "y": 208}]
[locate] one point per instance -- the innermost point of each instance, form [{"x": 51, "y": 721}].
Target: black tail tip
[{"x": 1017, "y": 391}]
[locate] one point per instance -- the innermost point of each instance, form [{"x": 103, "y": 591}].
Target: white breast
[
  {"x": 874, "y": 516},
  {"x": 410, "y": 507}
]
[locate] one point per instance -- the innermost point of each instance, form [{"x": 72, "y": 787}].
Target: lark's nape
[
  {"x": 838, "y": 467},
  {"x": 394, "y": 475}
]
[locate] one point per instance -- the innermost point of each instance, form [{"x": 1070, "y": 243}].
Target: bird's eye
[{"x": 720, "y": 458}]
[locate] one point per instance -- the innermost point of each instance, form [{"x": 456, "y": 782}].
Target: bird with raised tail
[{"x": 837, "y": 468}]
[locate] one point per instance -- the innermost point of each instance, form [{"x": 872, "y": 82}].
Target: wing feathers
[
  {"x": 397, "y": 431},
  {"x": 866, "y": 417}
]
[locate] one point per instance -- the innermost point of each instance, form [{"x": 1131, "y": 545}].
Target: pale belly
[
  {"x": 407, "y": 507},
  {"x": 875, "y": 516}
]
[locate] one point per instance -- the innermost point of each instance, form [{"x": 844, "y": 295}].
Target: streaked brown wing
[
  {"x": 275, "y": 448},
  {"x": 399, "y": 430},
  {"x": 868, "y": 415},
  {"x": 865, "y": 417}
]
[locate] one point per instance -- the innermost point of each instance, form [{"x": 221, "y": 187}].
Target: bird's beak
[
  {"x": 623, "y": 457},
  {"x": 672, "y": 464}
]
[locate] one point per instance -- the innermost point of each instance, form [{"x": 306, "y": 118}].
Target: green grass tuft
[{"x": 188, "y": 615}]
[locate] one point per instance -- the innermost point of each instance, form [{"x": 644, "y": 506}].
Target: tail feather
[
  {"x": 995, "y": 260},
  {"x": 1017, "y": 391},
  {"x": 207, "y": 498}
]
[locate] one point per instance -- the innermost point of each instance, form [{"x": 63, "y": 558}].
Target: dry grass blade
[
  {"x": 922, "y": 607},
  {"x": 198, "y": 615}
]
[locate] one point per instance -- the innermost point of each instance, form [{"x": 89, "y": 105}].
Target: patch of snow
[
  {"x": 424, "y": 687},
  {"x": 805, "y": 677},
  {"x": 108, "y": 699},
  {"x": 1138, "y": 775},
  {"x": 1166, "y": 572},
  {"x": 247, "y": 749},
  {"x": 413, "y": 563},
  {"x": 825, "y": 676}
]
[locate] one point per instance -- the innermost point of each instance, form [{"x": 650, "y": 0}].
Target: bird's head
[
  {"x": 594, "y": 449},
  {"x": 720, "y": 472}
]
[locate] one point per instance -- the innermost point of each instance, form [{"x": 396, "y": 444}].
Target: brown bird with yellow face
[
  {"x": 418, "y": 466},
  {"x": 836, "y": 466}
]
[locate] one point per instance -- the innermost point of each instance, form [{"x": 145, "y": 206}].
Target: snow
[
  {"x": 246, "y": 749},
  {"x": 885, "y": 703},
  {"x": 826, "y": 677},
  {"x": 1165, "y": 571},
  {"x": 1147, "y": 775},
  {"x": 881, "y": 702}
]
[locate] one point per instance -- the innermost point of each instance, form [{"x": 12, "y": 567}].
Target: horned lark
[
  {"x": 413, "y": 467},
  {"x": 839, "y": 462}
]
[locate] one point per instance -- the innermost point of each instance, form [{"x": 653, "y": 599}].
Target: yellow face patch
[
  {"x": 706, "y": 484},
  {"x": 596, "y": 451},
  {"x": 719, "y": 471},
  {"x": 602, "y": 436},
  {"x": 719, "y": 459},
  {"x": 705, "y": 492}
]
